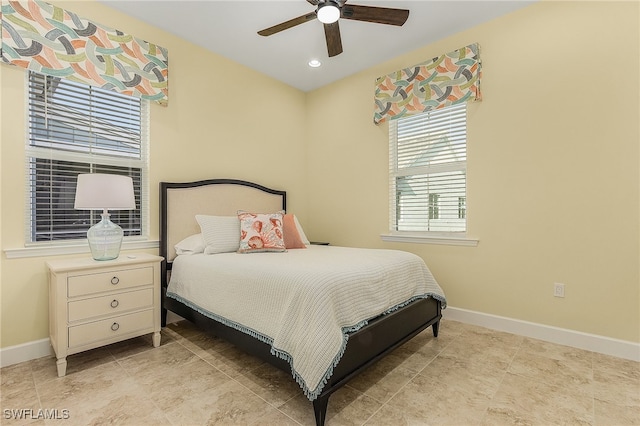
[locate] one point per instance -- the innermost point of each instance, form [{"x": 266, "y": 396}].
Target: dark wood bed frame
[{"x": 365, "y": 346}]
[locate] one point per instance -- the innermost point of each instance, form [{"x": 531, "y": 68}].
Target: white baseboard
[
  {"x": 25, "y": 352},
  {"x": 40, "y": 348},
  {"x": 171, "y": 317},
  {"x": 591, "y": 342}
]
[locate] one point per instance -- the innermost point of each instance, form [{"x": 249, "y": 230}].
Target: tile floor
[{"x": 467, "y": 376}]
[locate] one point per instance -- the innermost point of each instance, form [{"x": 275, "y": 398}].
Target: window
[
  {"x": 428, "y": 154},
  {"x": 462, "y": 208},
  {"x": 434, "y": 213},
  {"x": 75, "y": 128}
]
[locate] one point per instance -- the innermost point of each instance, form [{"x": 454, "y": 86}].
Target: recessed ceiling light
[{"x": 314, "y": 63}]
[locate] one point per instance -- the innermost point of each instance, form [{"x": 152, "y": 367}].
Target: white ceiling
[{"x": 229, "y": 28}]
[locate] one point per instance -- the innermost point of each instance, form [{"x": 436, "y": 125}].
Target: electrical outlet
[{"x": 558, "y": 290}]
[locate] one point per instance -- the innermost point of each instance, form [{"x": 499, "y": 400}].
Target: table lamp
[{"x": 97, "y": 191}]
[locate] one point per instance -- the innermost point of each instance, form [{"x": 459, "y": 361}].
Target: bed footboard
[{"x": 365, "y": 346}]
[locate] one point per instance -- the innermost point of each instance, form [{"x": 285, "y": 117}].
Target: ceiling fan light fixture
[{"x": 328, "y": 12}]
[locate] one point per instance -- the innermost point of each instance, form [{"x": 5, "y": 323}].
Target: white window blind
[
  {"x": 427, "y": 178},
  {"x": 75, "y": 128}
]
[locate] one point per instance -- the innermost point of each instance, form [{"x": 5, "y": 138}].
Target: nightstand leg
[
  {"x": 61, "y": 363},
  {"x": 156, "y": 339}
]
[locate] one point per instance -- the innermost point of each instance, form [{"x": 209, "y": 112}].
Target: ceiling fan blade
[
  {"x": 314, "y": 2},
  {"x": 380, "y": 15},
  {"x": 334, "y": 41},
  {"x": 288, "y": 24}
]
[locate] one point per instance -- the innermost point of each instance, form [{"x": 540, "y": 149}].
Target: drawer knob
[
  {"x": 115, "y": 280},
  {"x": 115, "y": 326},
  {"x": 114, "y": 303}
]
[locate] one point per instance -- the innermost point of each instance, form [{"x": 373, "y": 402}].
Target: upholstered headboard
[{"x": 181, "y": 202}]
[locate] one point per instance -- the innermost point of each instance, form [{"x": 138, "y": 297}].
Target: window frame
[
  {"x": 432, "y": 201},
  {"x": 92, "y": 161}
]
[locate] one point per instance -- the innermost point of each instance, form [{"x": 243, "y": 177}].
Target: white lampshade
[
  {"x": 328, "y": 13},
  {"x": 98, "y": 191}
]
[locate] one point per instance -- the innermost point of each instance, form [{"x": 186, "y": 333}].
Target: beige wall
[
  {"x": 220, "y": 122},
  {"x": 553, "y": 161}
]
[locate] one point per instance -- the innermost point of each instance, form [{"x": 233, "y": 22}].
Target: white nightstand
[{"x": 94, "y": 303}]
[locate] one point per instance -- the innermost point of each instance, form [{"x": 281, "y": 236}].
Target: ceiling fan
[{"x": 329, "y": 11}]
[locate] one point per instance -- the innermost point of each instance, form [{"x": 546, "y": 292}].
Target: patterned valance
[
  {"x": 446, "y": 80},
  {"x": 53, "y": 41}
]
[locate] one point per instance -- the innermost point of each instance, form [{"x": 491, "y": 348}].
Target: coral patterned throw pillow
[{"x": 260, "y": 232}]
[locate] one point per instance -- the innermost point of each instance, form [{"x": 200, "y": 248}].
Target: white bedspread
[{"x": 302, "y": 302}]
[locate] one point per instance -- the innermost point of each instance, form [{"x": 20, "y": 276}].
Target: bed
[{"x": 320, "y": 366}]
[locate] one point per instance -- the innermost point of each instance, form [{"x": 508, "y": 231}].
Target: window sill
[
  {"x": 450, "y": 240},
  {"x": 79, "y": 248}
]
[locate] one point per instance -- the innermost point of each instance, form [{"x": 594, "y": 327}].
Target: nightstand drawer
[
  {"x": 79, "y": 285},
  {"x": 110, "y": 328},
  {"x": 110, "y": 304}
]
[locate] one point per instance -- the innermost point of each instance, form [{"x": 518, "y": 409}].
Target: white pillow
[
  {"x": 303, "y": 237},
  {"x": 193, "y": 244},
  {"x": 221, "y": 234}
]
